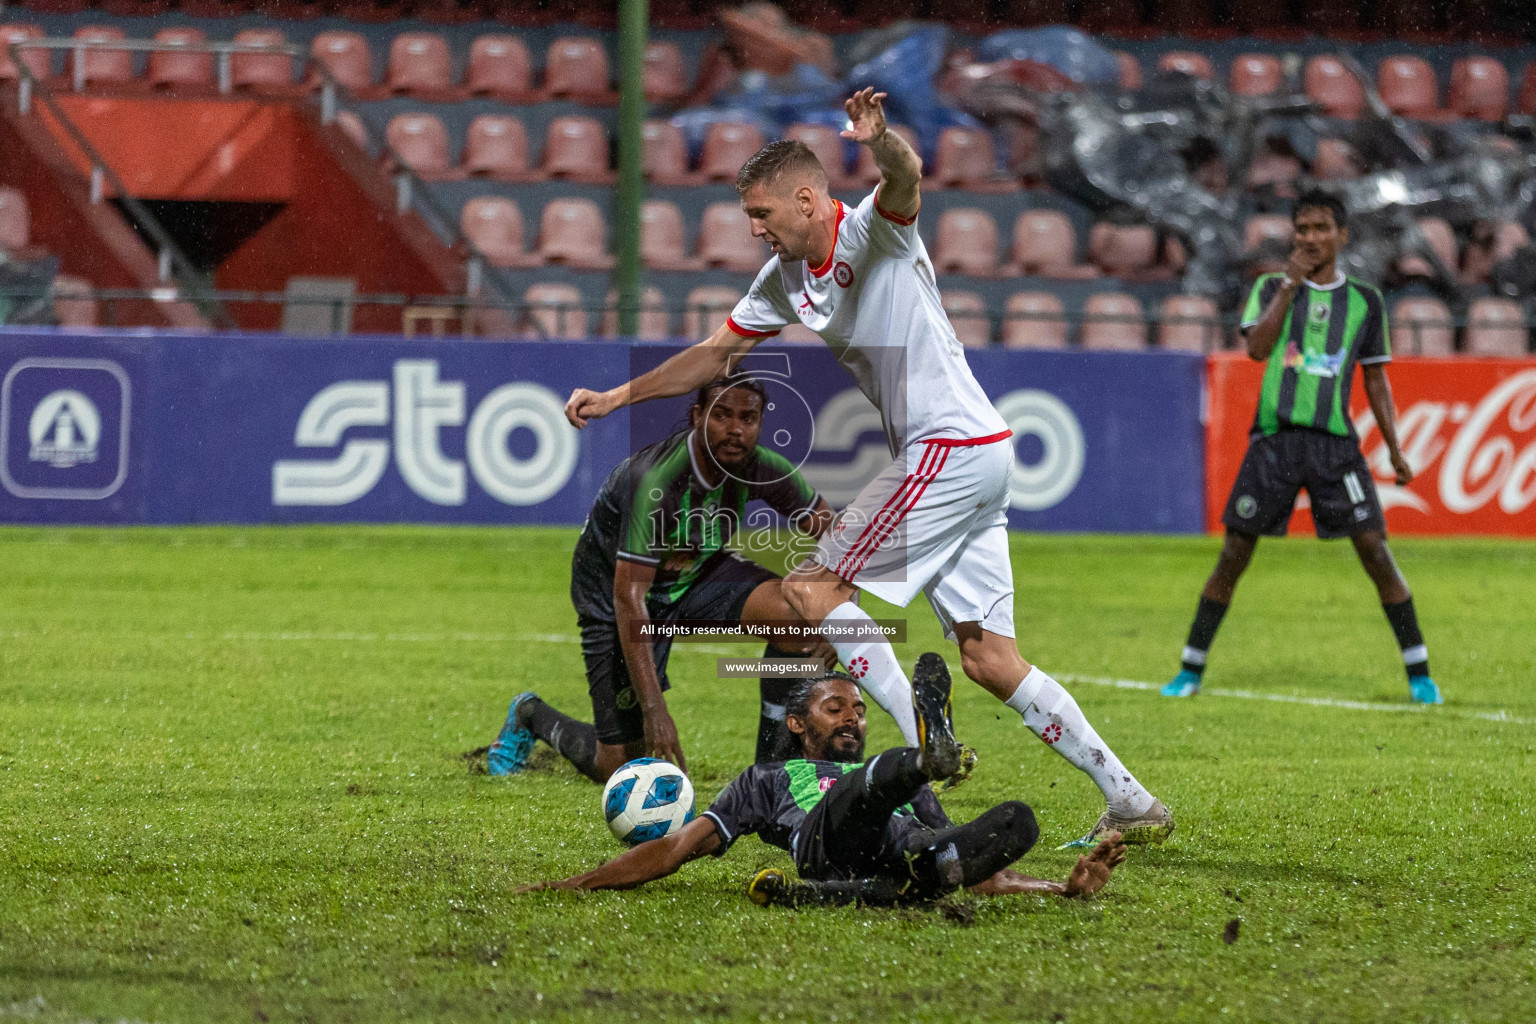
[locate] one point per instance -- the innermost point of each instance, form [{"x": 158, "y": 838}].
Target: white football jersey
[{"x": 876, "y": 304}]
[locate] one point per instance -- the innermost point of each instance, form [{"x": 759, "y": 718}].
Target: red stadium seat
[
  {"x": 1130, "y": 70},
  {"x": 867, "y": 174},
  {"x": 966, "y": 243},
  {"x": 576, "y": 68},
  {"x": 1479, "y": 89},
  {"x": 170, "y": 70},
  {"x": 576, "y": 149},
  {"x": 346, "y": 56},
  {"x": 555, "y": 311},
  {"x": 1183, "y": 62},
  {"x": 573, "y": 232},
  {"x": 1265, "y": 226},
  {"x": 15, "y": 225},
  {"x": 664, "y": 154},
  {"x": 419, "y": 64},
  {"x": 421, "y": 141},
  {"x": 496, "y": 146},
  {"x": 665, "y": 79},
  {"x": 1114, "y": 321},
  {"x": 499, "y": 65},
  {"x": 706, "y": 308},
  {"x": 1188, "y": 323},
  {"x": 967, "y": 314},
  {"x": 1045, "y": 244},
  {"x": 964, "y": 158},
  {"x": 727, "y": 145},
  {"x": 1034, "y": 320},
  {"x": 1408, "y": 87},
  {"x": 726, "y": 242},
  {"x": 495, "y": 227},
  {"x": 39, "y": 62},
  {"x": 261, "y": 71},
  {"x": 1527, "y": 104},
  {"x": 828, "y": 147},
  {"x": 1421, "y": 326},
  {"x": 1122, "y": 249},
  {"x": 655, "y": 321},
  {"x": 663, "y": 239},
  {"x": 1496, "y": 327},
  {"x": 1256, "y": 74},
  {"x": 1331, "y": 85},
  {"x": 74, "y": 302},
  {"x": 1336, "y": 161},
  {"x": 111, "y": 67}
]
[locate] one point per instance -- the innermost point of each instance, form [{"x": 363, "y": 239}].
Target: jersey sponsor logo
[
  {"x": 842, "y": 273},
  {"x": 64, "y": 429}
]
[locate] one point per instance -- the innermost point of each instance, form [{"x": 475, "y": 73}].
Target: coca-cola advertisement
[{"x": 1467, "y": 426}]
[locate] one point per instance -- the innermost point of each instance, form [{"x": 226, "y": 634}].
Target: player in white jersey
[{"x": 935, "y": 520}]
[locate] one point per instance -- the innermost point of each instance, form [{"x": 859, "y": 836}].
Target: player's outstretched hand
[
  {"x": 661, "y": 739},
  {"x": 866, "y": 115},
  {"x": 584, "y": 405},
  {"x": 1402, "y": 469},
  {"x": 1092, "y": 872}
]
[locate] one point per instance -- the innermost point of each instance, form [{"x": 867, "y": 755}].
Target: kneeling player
[
  {"x": 856, "y": 829},
  {"x": 652, "y": 551}
]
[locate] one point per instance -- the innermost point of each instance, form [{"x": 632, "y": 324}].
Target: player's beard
[{"x": 844, "y": 755}]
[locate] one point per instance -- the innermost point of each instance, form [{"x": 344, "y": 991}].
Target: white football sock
[
  {"x": 1051, "y": 714},
  {"x": 873, "y": 665}
]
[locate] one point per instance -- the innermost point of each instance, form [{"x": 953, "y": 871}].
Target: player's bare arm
[
  {"x": 687, "y": 371},
  {"x": 816, "y": 522},
  {"x": 646, "y": 862},
  {"x": 1262, "y": 336},
  {"x": 1089, "y": 875},
  {"x": 1378, "y": 390},
  {"x": 901, "y": 169},
  {"x": 631, "y": 582}
]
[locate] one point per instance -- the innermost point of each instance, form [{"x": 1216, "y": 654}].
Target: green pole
[{"x": 627, "y": 197}]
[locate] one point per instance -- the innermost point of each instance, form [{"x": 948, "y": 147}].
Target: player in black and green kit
[
  {"x": 1312, "y": 325},
  {"x": 654, "y": 551}
]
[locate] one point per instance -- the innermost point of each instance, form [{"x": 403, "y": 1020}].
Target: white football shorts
[{"x": 935, "y": 520}]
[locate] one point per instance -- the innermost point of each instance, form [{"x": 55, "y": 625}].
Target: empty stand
[
  {"x": 1421, "y": 326},
  {"x": 554, "y": 311},
  {"x": 967, "y": 313},
  {"x": 706, "y": 308},
  {"x": 828, "y": 147},
  {"x": 1188, "y": 323},
  {"x": 655, "y": 322},
  {"x": 1044, "y": 243},
  {"x": 496, "y": 146},
  {"x": 1195, "y": 65},
  {"x": 576, "y": 149},
  {"x": 421, "y": 141},
  {"x": 663, "y": 239},
  {"x": 261, "y": 71},
  {"x": 99, "y": 67},
  {"x": 1034, "y": 320},
  {"x": 1122, "y": 250},
  {"x": 1527, "y": 101},
  {"x": 1331, "y": 85},
  {"x": 665, "y": 79},
  {"x": 1408, "y": 87},
  {"x": 726, "y": 242},
  {"x": 966, "y": 243},
  {"x": 353, "y": 125},
  {"x": 500, "y": 66},
  {"x": 420, "y": 65},
  {"x": 664, "y": 154},
  {"x": 1256, "y": 74},
  {"x": 964, "y": 158},
  {"x": 15, "y": 225},
  {"x": 1479, "y": 89},
  {"x": 347, "y": 57},
  {"x": 1496, "y": 327},
  {"x": 573, "y": 232},
  {"x": 576, "y": 68},
  {"x": 495, "y": 227},
  {"x": 1114, "y": 321},
  {"x": 727, "y": 145},
  {"x": 37, "y": 61},
  {"x": 167, "y": 69}
]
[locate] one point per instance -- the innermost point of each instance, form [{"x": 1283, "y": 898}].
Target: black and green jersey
[
  {"x": 657, "y": 509},
  {"x": 1327, "y": 330}
]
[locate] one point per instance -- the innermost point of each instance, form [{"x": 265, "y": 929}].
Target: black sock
[
  {"x": 575, "y": 741},
  {"x": 1405, "y": 625},
  {"x": 1201, "y": 633},
  {"x": 900, "y": 769},
  {"x": 774, "y": 740}
]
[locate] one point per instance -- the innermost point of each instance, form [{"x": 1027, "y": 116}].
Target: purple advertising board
[{"x": 134, "y": 427}]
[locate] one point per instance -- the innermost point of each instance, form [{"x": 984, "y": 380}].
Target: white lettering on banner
[{"x": 423, "y": 406}]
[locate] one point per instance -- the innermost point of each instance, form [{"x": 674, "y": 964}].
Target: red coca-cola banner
[{"x": 1468, "y": 427}]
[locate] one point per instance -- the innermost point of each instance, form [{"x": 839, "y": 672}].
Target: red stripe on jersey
[
  {"x": 890, "y": 528},
  {"x": 905, "y": 222},
  {"x": 909, "y": 494},
  {"x": 966, "y": 442},
  {"x": 895, "y": 498},
  {"x": 832, "y": 253},
  {"x": 744, "y": 332}
]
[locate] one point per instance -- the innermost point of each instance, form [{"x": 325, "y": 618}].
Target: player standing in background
[
  {"x": 1312, "y": 324},
  {"x": 935, "y": 520}
]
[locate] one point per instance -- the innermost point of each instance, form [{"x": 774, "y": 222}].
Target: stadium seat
[
  {"x": 261, "y": 71},
  {"x": 1130, "y": 70},
  {"x": 1479, "y": 89},
  {"x": 664, "y": 154},
  {"x": 1274, "y": 168},
  {"x": 1188, "y": 323},
  {"x": 554, "y": 311},
  {"x": 1496, "y": 327},
  {"x": 74, "y": 302},
  {"x": 1045, "y": 244},
  {"x": 572, "y": 232},
  {"x": 828, "y": 147},
  {"x": 1255, "y": 74},
  {"x": 576, "y": 68},
  {"x": 967, "y": 314},
  {"x": 494, "y": 226},
  {"x": 15, "y": 225},
  {"x": 1265, "y": 226},
  {"x": 1480, "y": 257},
  {"x": 576, "y": 149},
  {"x": 1408, "y": 87},
  {"x": 655, "y": 322},
  {"x": 168, "y": 69},
  {"x": 966, "y": 243},
  {"x": 39, "y": 62},
  {"x": 666, "y": 81},
  {"x": 1034, "y": 320},
  {"x": 419, "y": 64},
  {"x": 726, "y": 242},
  {"x": 349, "y": 122},
  {"x": 500, "y": 66},
  {"x": 1336, "y": 161},
  {"x": 1421, "y": 326},
  {"x": 706, "y": 308},
  {"x": 663, "y": 239},
  {"x": 1527, "y": 102},
  {"x": 1331, "y": 86},
  {"x": 111, "y": 67},
  {"x": 1114, "y": 321},
  {"x": 964, "y": 158},
  {"x": 1183, "y": 62},
  {"x": 727, "y": 145},
  {"x": 1122, "y": 249},
  {"x": 496, "y": 146},
  {"x": 866, "y": 174},
  {"x": 347, "y": 57},
  {"x": 421, "y": 142}
]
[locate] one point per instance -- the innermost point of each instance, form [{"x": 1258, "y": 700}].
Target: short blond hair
[{"x": 773, "y": 161}]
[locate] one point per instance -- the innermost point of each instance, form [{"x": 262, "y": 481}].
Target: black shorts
[
  {"x": 1330, "y": 467},
  {"x": 719, "y": 594}
]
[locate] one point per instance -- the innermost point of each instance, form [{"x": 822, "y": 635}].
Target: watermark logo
[{"x": 64, "y": 428}]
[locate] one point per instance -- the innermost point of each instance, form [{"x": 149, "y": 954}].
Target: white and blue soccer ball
[{"x": 646, "y": 799}]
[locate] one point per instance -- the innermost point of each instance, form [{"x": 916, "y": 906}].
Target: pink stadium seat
[
  {"x": 499, "y": 65},
  {"x": 573, "y": 232},
  {"x": 1255, "y": 74},
  {"x": 666, "y": 81},
  {"x": 967, "y": 314},
  {"x": 663, "y": 239},
  {"x": 727, "y": 145},
  {"x": 1421, "y": 326},
  {"x": 1045, "y": 244},
  {"x": 100, "y": 66},
  {"x": 555, "y": 311},
  {"x": 1408, "y": 87},
  {"x": 966, "y": 243},
  {"x": 15, "y": 225},
  {"x": 867, "y": 174},
  {"x": 1335, "y": 161},
  {"x": 1114, "y": 321},
  {"x": 496, "y": 146},
  {"x": 74, "y": 302},
  {"x": 1034, "y": 320},
  {"x": 964, "y": 158},
  {"x": 1130, "y": 70},
  {"x": 827, "y": 146},
  {"x": 421, "y": 141},
  {"x": 576, "y": 149},
  {"x": 1122, "y": 249},
  {"x": 655, "y": 321},
  {"x": 1496, "y": 327},
  {"x": 495, "y": 227},
  {"x": 726, "y": 242},
  {"x": 346, "y": 56},
  {"x": 170, "y": 70},
  {"x": 706, "y": 308},
  {"x": 419, "y": 64},
  {"x": 37, "y": 61},
  {"x": 1329, "y": 84},
  {"x": 1271, "y": 168},
  {"x": 1479, "y": 89},
  {"x": 1188, "y": 323},
  {"x": 576, "y": 68},
  {"x": 261, "y": 71},
  {"x": 1266, "y": 226},
  {"x": 664, "y": 154},
  {"x": 1183, "y": 62}
]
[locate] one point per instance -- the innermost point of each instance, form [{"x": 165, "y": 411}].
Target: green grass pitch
[{"x": 230, "y": 790}]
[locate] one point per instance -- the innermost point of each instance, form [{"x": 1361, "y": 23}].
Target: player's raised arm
[
  {"x": 901, "y": 169},
  {"x": 646, "y": 862},
  {"x": 687, "y": 371}
]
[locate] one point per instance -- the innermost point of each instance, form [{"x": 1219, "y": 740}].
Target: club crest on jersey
[{"x": 842, "y": 273}]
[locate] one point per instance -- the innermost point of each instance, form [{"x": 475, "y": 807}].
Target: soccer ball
[{"x": 647, "y": 798}]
